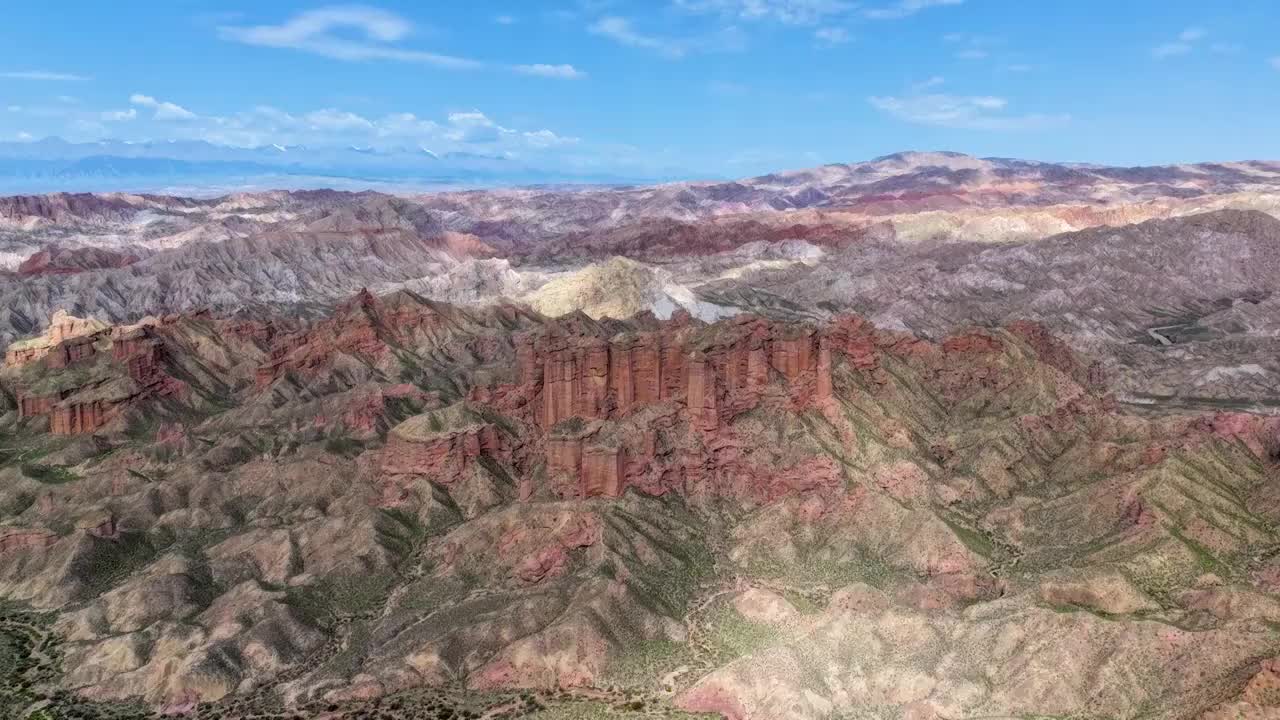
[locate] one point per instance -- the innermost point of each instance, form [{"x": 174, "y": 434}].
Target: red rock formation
[
  {"x": 67, "y": 207},
  {"x": 68, "y": 261},
  {"x": 35, "y": 405},
  {"x": 100, "y": 525},
  {"x": 701, "y": 398},
  {"x": 71, "y": 351},
  {"x": 131, "y": 342},
  {"x": 564, "y": 456},
  {"x": 602, "y": 472},
  {"x": 365, "y": 327},
  {"x": 591, "y": 378},
  {"x": 17, "y": 357},
  {"x": 441, "y": 456},
  {"x": 542, "y": 552},
  {"x": 77, "y": 418},
  {"x": 136, "y": 352},
  {"x": 62, "y": 327},
  {"x": 17, "y": 539},
  {"x": 181, "y": 704},
  {"x": 706, "y": 376},
  {"x": 793, "y": 356}
]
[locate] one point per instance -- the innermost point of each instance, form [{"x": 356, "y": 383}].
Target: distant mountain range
[{"x": 112, "y": 165}]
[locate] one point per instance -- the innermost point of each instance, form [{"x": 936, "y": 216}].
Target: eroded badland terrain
[{"x": 927, "y": 437}]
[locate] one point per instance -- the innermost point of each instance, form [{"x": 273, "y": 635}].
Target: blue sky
[{"x": 714, "y": 87}]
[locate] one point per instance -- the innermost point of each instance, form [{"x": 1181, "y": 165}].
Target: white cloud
[
  {"x": 976, "y": 112},
  {"x": 474, "y": 127},
  {"x": 42, "y": 75},
  {"x": 931, "y": 82},
  {"x": 1170, "y": 49},
  {"x": 1183, "y": 45},
  {"x": 970, "y": 46},
  {"x": 906, "y": 8},
  {"x": 789, "y": 12},
  {"x": 567, "y": 72},
  {"x": 163, "y": 110},
  {"x": 988, "y": 103},
  {"x": 327, "y": 32},
  {"x": 274, "y": 114},
  {"x": 313, "y": 31},
  {"x": 25, "y": 137},
  {"x": 339, "y": 120},
  {"x": 619, "y": 30},
  {"x": 1275, "y": 62},
  {"x": 547, "y": 139},
  {"x": 831, "y": 35},
  {"x": 406, "y": 125},
  {"x": 150, "y": 118}
]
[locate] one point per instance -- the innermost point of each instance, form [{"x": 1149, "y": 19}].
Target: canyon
[{"x": 887, "y": 439}]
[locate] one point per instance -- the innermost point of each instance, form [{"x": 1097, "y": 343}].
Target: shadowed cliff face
[{"x": 444, "y": 507}]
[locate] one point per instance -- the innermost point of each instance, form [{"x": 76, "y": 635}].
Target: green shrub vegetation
[{"x": 49, "y": 474}]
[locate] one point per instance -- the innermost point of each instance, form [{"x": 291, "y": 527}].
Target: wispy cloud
[
  {"x": 163, "y": 110},
  {"x": 474, "y": 127},
  {"x": 621, "y": 31},
  {"x": 119, "y": 115},
  {"x": 336, "y": 120},
  {"x": 314, "y": 31},
  {"x": 150, "y": 118},
  {"x": 378, "y": 33},
  {"x": 789, "y": 12},
  {"x": 44, "y": 75},
  {"x": 567, "y": 72},
  {"x": 906, "y": 8},
  {"x": 965, "y": 112},
  {"x": 970, "y": 46},
  {"x": 542, "y": 139},
  {"x": 831, "y": 35},
  {"x": 1275, "y": 62},
  {"x": 927, "y": 83},
  {"x": 1182, "y": 45}
]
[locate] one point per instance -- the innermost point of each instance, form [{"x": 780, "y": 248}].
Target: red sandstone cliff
[
  {"x": 133, "y": 373},
  {"x": 654, "y": 409}
]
